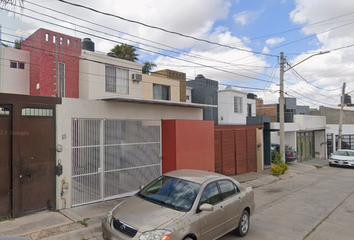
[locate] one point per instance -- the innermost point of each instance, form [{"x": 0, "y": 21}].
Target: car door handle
[{"x": 221, "y": 208}]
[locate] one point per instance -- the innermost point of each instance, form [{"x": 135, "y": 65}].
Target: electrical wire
[{"x": 162, "y": 29}]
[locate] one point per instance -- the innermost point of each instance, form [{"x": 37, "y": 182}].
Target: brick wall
[
  {"x": 269, "y": 110},
  {"x": 42, "y": 56}
]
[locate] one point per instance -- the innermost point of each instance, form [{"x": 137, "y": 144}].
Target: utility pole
[
  {"x": 281, "y": 108},
  {"x": 282, "y": 102},
  {"x": 339, "y": 141}
]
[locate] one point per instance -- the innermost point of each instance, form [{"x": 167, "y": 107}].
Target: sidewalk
[{"x": 84, "y": 222}]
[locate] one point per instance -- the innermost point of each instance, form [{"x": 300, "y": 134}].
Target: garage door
[{"x": 112, "y": 158}]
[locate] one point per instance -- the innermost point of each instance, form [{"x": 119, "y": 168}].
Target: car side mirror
[{"x": 206, "y": 207}]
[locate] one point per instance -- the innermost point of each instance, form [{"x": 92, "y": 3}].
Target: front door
[
  {"x": 36, "y": 158},
  {"x": 5, "y": 161}
]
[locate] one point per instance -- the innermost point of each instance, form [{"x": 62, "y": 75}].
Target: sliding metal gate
[{"x": 112, "y": 158}]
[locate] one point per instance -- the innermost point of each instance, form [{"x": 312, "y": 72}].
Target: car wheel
[
  {"x": 244, "y": 224},
  {"x": 187, "y": 238}
]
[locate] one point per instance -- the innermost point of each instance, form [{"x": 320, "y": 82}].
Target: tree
[
  {"x": 12, "y": 3},
  {"x": 126, "y": 52},
  {"x": 18, "y": 43},
  {"x": 148, "y": 66}
]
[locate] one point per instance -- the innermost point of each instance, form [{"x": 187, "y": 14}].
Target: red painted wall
[
  {"x": 187, "y": 144},
  {"x": 42, "y": 66}
]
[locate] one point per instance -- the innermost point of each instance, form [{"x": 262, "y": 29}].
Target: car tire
[
  {"x": 187, "y": 238},
  {"x": 243, "y": 225}
]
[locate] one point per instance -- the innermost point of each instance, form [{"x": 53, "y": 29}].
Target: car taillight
[{"x": 289, "y": 155}]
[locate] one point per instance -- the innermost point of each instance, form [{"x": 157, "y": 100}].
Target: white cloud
[
  {"x": 265, "y": 50},
  {"x": 274, "y": 41},
  {"x": 246, "y": 17},
  {"x": 332, "y": 25}
]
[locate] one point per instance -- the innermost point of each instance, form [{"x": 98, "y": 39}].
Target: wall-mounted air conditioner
[{"x": 137, "y": 77}]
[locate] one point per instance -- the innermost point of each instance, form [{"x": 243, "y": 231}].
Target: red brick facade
[
  {"x": 269, "y": 110},
  {"x": 41, "y": 46}
]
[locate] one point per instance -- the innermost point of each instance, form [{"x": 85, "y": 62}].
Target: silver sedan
[{"x": 185, "y": 205}]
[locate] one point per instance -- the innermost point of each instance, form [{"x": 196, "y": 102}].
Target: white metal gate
[{"x": 111, "y": 158}]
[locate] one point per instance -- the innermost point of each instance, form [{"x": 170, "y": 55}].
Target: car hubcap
[{"x": 244, "y": 223}]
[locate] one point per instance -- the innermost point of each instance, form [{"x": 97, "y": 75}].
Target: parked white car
[{"x": 342, "y": 157}]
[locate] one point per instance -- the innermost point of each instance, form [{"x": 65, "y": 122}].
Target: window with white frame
[
  {"x": 117, "y": 80},
  {"x": 19, "y": 65},
  {"x": 238, "y": 104},
  {"x": 161, "y": 92}
]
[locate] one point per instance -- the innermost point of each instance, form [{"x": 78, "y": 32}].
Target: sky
[{"x": 236, "y": 42}]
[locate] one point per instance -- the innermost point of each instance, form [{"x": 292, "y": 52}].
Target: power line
[
  {"x": 290, "y": 30},
  {"x": 120, "y": 66},
  {"x": 164, "y": 30},
  {"x": 313, "y": 35},
  {"x": 232, "y": 73},
  {"x": 298, "y": 74}
]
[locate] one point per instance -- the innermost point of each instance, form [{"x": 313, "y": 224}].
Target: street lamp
[{"x": 281, "y": 100}]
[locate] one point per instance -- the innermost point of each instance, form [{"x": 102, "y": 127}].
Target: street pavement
[{"x": 310, "y": 201}]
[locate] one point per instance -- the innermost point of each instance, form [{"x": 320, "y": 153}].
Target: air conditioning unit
[{"x": 137, "y": 77}]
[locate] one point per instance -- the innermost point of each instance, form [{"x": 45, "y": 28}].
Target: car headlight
[
  {"x": 109, "y": 217},
  {"x": 156, "y": 235}
]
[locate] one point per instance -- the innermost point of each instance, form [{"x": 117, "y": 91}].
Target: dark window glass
[
  {"x": 227, "y": 188},
  {"x": 13, "y": 64},
  {"x": 21, "y": 65},
  {"x": 211, "y": 195},
  {"x": 171, "y": 192}
]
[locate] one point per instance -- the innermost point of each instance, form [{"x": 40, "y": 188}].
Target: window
[
  {"x": 54, "y": 39},
  {"x": 238, "y": 104},
  {"x": 187, "y": 97},
  {"x": 13, "y": 64},
  {"x": 228, "y": 189},
  {"x": 37, "y": 112},
  {"x": 161, "y": 92},
  {"x": 117, "y": 80},
  {"x": 174, "y": 193},
  {"x": 61, "y": 40},
  {"x": 19, "y": 65},
  {"x": 47, "y": 37},
  {"x": 68, "y": 41},
  {"x": 210, "y": 195},
  {"x": 61, "y": 84},
  {"x": 249, "y": 109}
]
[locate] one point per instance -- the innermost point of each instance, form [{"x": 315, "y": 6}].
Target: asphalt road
[{"x": 314, "y": 205}]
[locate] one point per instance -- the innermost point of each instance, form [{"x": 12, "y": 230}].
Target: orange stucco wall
[{"x": 187, "y": 144}]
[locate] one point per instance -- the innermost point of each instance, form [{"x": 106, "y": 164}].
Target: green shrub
[
  {"x": 279, "y": 168},
  {"x": 276, "y": 169}
]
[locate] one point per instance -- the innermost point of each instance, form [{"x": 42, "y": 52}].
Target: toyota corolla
[{"x": 184, "y": 205}]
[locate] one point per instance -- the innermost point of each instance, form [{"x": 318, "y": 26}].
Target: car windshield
[
  {"x": 341, "y": 153},
  {"x": 171, "y": 192}
]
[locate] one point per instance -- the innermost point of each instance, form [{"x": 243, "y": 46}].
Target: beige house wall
[
  {"x": 150, "y": 80},
  {"x": 92, "y": 75},
  {"x": 260, "y": 154},
  {"x": 179, "y": 76},
  {"x": 14, "y": 80}
]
